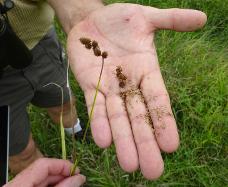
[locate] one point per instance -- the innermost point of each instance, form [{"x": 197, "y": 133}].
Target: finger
[
  {"x": 158, "y": 103},
  {"x": 51, "y": 180},
  {"x": 75, "y": 181},
  {"x": 150, "y": 160},
  {"x": 99, "y": 124},
  {"x": 122, "y": 134},
  {"x": 44, "y": 167},
  {"x": 175, "y": 19}
]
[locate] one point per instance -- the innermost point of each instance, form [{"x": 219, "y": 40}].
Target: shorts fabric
[{"x": 34, "y": 84}]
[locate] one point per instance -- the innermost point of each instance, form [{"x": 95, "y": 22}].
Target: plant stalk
[
  {"x": 62, "y": 132},
  {"x": 90, "y": 117}
]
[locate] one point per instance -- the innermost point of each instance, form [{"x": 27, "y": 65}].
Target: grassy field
[{"x": 195, "y": 69}]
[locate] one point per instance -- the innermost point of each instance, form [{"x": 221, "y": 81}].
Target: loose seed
[
  {"x": 121, "y": 76},
  {"x": 118, "y": 69},
  {"x": 122, "y": 84}
]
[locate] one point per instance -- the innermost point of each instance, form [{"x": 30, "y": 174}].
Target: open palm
[{"x": 136, "y": 115}]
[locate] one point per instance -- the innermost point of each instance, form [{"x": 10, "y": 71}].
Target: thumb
[
  {"x": 175, "y": 19},
  {"x": 74, "y": 181}
]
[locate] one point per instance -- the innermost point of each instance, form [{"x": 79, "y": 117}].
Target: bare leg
[
  {"x": 69, "y": 114},
  {"x": 21, "y": 161}
]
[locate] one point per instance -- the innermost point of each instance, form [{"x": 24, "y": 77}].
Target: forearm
[{"x": 70, "y": 12}]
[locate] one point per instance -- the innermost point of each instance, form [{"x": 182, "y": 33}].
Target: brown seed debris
[
  {"x": 122, "y": 84},
  {"x": 118, "y": 70},
  {"x": 121, "y": 77},
  {"x": 148, "y": 119}
]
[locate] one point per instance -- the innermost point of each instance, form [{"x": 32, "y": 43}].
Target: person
[
  {"x": 48, "y": 172},
  {"x": 126, "y": 32}
]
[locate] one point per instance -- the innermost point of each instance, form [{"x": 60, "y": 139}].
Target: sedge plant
[
  {"x": 62, "y": 132},
  {"x": 89, "y": 44}
]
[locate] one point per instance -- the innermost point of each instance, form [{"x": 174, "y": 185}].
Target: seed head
[
  {"x": 94, "y": 44},
  {"x": 85, "y": 41},
  {"x": 121, "y": 76},
  {"x": 88, "y": 46},
  {"x": 122, "y": 84},
  {"x": 97, "y": 51},
  {"x": 118, "y": 69},
  {"x": 104, "y": 54}
]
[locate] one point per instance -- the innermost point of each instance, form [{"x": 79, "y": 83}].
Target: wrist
[
  {"x": 78, "y": 16},
  {"x": 71, "y": 12}
]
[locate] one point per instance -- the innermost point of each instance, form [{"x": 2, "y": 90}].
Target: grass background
[{"x": 194, "y": 66}]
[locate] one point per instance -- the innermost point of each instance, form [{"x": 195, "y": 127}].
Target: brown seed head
[
  {"x": 94, "y": 44},
  {"x": 121, "y": 76},
  {"x": 85, "y": 41},
  {"x": 97, "y": 51},
  {"x": 123, "y": 95},
  {"x": 88, "y": 46},
  {"x": 118, "y": 69},
  {"x": 104, "y": 54},
  {"x": 122, "y": 84}
]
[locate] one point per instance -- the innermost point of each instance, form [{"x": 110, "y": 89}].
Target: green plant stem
[
  {"x": 94, "y": 101},
  {"x": 90, "y": 117},
  {"x": 62, "y": 136},
  {"x": 62, "y": 132},
  {"x": 71, "y": 113},
  {"x": 73, "y": 134}
]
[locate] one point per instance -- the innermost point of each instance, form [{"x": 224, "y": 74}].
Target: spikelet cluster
[
  {"x": 89, "y": 44},
  {"x": 121, "y": 77}
]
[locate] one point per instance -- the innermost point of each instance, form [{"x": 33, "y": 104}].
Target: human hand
[
  {"x": 45, "y": 172},
  {"x": 126, "y": 32}
]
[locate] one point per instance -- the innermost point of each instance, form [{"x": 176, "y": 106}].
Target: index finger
[
  {"x": 43, "y": 168},
  {"x": 53, "y": 166}
]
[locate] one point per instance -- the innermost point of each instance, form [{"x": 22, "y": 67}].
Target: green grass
[{"x": 194, "y": 66}]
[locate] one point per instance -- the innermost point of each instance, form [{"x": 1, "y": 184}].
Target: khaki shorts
[{"x": 18, "y": 88}]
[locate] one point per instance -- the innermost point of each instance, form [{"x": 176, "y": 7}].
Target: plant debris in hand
[
  {"x": 121, "y": 77},
  {"x": 126, "y": 95}
]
